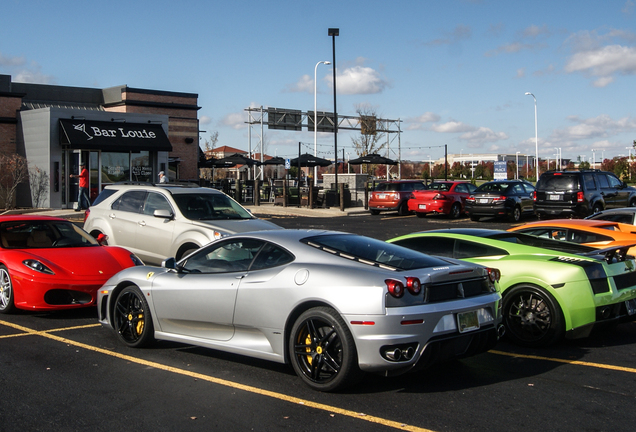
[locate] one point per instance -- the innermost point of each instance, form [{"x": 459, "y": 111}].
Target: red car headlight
[{"x": 37, "y": 266}]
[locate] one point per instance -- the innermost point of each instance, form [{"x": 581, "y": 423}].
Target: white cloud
[
  {"x": 604, "y": 62},
  {"x": 304, "y": 85},
  {"x": 459, "y": 33},
  {"x": 23, "y": 71},
  {"x": 359, "y": 80},
  {"x": 235, "y": 120},
  {"x": 482, "y": 135},
  {"x": 596, "y": 127},
  {"x": 204, "y": 120},
  {"x": 452, "y": 127}
]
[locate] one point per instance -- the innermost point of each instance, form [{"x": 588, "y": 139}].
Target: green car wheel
[{"x": 532, "y": 317}]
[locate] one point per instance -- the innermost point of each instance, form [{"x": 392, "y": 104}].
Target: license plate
[
  {"x": 381, "y": 196},
  {"x": 467, "y": 321},
  {"x": 422, "y": 206},
  {"x": 554, "y": 197},
  {"x": 631, "y": 306},
  {"x": 483, "y": 200}
]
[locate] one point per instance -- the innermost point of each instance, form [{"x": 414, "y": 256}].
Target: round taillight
[
  {"x": 413, "y": 285},
  {"x": 494, "y": 274},
  {"x": 395, "y": 287}
]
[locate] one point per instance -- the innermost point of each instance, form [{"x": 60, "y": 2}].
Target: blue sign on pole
[
  {"x": 501, "y": 170},
  {"x": 287, "y": 163}
]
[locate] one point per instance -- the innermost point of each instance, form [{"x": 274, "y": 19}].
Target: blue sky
[{"x": 455, "y": 72}]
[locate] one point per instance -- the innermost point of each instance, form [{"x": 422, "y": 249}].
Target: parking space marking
[
  {"x": 29, "y": 332},
  {"x": 572, "y": 362},
  {"x": 219, "y": 381}
]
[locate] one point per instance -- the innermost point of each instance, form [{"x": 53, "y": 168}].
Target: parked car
[
  {"x": 550, "y": 288},
  {"x": 49, "y": 263},
  {"x": 599, "y": 234},
  {"x": 580, "y": 193},
  {"x": 157, "y": 222},
  {"x": 625, "y": 215},
  {"x": 331, "y": 304},
  {"x": 441, "y": 197},
  {"x": 393, "y": 196},
  {"x": 507, "y": 198}
]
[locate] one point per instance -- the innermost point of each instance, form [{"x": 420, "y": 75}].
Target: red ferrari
[
  {"x": 442, "y": 197},
  {"x": 49, "y": 263}
]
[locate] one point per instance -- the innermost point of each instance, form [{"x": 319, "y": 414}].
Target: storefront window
[
  {"x": 141, "y": 167},
  {"x": 115, "y": 167}
]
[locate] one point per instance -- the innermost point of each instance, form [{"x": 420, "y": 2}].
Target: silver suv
[{"x": 158, "y": 222}]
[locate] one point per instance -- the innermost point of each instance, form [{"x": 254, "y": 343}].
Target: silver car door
[
  {"x": 199, "y": 299},
  {"x": 154, "y": 235}
]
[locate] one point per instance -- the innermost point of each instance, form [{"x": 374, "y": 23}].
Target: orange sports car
[{"x": 596, "y": 233}]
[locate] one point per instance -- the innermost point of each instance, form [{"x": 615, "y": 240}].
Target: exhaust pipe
[
  {"x": 501, "y": 330},
  {"x": 394, "y": 355}
]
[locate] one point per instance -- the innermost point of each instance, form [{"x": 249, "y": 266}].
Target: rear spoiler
[{"x": 618, "y": 253}]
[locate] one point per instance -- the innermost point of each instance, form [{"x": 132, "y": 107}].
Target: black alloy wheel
[
  {"x": 403, "y": 208},
  {"x": 322, "y": 350},
  {"x": 132, "y": 319},
  {"x": 515, "y": 215},
  {"x": 455, "y": 211},
  {"x": 532, "y": 317}
]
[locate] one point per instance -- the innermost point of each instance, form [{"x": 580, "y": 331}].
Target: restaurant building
[{"x": 121, "y": 133}]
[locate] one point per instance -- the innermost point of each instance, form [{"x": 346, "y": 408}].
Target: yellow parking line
[
  {"x": 235, "y": 385},
  {"x": 573, "y": 362}
]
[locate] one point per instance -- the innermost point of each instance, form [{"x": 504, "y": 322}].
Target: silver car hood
[{"x": 232, "y": 226}]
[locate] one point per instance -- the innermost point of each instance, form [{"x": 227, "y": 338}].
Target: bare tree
[
  {"x": 369, "y": 141},
  {"x": 13, "y": 171},
  {"x": 39, "y": 182}
]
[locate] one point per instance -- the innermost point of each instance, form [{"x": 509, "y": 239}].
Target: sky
[{"x": 454, "y": 73}]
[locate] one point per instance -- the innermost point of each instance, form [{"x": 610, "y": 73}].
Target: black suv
[{"x": 580, "y": 193}]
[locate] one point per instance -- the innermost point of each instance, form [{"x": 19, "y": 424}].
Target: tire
[
  {"x": 131, "y": 318},
  {"x": 632, "y": 203},
  {"x": 403, "y": 209},
  {"x": 322, "y": 350},
  {"x": 474, "y": 218},
  {"x": 455, "y": 211},
  {"x": 7, "y": 305},
  {"x": 515, "y": 215},
  {"x": 596, "y": 208},
  {"x": 186, "y": 250},
  {"x": 532, "y": 317}
]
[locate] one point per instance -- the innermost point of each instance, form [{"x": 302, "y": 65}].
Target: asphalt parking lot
[{"x": 62, "y": 371}]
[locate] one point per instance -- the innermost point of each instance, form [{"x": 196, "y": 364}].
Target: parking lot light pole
[
  {"x": 517, "y": 165},
  {"x": 536, "y": 136},
  {"x": 316, "y": 119},
  {"x": 333, "y": 32}
]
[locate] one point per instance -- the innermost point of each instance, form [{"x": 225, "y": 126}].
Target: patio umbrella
[
  {"x": 274, "y": 161},
  {"x": 235, "y": 159},
  {"x": 307, "y": 160},
  {"x": 374, "y": 159}
]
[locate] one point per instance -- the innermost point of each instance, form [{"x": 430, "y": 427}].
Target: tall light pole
[
  {"x": 333, "y": 32},
  {"x": 629, "y": 161},
  {"x": 536, "y": 136},
  {"x": 316, "y": 118},
  {"x": 517, "y": 164},
  {"x": 593, "y": 159}
]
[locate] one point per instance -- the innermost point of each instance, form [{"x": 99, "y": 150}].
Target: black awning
[{"x": 113, "y": 136}]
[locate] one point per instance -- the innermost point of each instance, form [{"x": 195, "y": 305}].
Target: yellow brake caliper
[{"x": 140, "y": 324}]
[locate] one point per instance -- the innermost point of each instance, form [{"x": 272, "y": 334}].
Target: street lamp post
[
  {"x": 629, "y": 162},
  {"x": 517, "y": 164},
  {"x": 536, "y": 136},
  {"x": 593, "y": 159},
  {"x": 333, "y": 32},
  {"x": 316, "y": 118}
]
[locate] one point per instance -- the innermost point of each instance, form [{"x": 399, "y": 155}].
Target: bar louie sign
[{"x": 111, "y": 136}]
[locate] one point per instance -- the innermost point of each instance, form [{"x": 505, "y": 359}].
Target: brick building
[{"x": 122, "y": 133}]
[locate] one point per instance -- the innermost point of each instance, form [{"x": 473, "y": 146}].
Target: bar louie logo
[{"x": 114, "y": 133}]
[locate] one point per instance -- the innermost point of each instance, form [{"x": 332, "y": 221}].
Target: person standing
[
  {"x": 162, "y": 177},
  {"x": 83, "y": 201}
]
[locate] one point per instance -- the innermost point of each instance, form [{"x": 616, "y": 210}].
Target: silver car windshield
[
  {"x": 210, "y": 207},
  {"x": 374, "y": 252}
]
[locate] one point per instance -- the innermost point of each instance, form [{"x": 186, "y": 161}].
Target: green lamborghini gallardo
[{"x": 551, "y": 289}]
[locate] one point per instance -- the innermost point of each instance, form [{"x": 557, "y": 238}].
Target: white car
[{"x": 158, "y": 222}]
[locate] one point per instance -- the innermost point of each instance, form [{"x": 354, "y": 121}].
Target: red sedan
[
  {"x": 49, "y": 263},
  {"x": 444, "y": 197}
]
